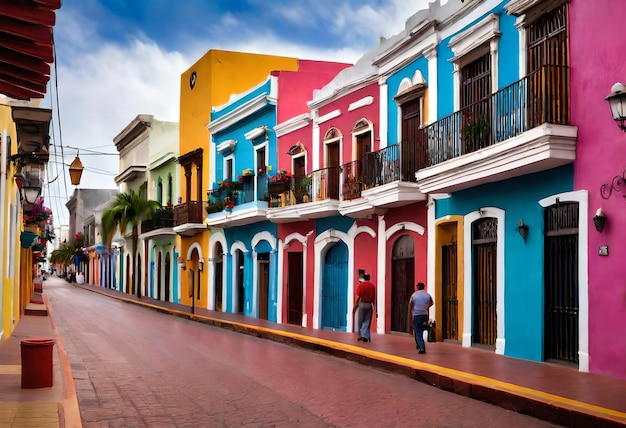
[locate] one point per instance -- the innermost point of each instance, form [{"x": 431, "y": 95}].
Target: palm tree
[
  {"x": 68, "y": 251},
  {"x": 128, "y": 209}
]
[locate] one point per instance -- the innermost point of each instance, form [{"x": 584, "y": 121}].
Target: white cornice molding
[
  {"x": 161, "y": 160},
  {"x": 226, "y": 146},
  {"x": 475, "y": 36},
  {"x": 292, "y": 124},
  {"x": 328, "y": 116},
  {"x": 240, "y": 113},
  {"x": 343, "y": 91},
  {"x": 361, "y": 103},
  {"x": 255, "y": 133}
]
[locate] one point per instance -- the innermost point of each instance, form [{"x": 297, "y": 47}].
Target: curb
[{"x": 532, "y": 402}]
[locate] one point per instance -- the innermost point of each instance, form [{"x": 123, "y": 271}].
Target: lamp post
[{"x": 617, "y": 102}]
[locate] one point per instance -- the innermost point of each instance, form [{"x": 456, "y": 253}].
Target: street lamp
[
  {"x": 76, "y": 171},
  {"x": 31, "y": 185},
  {"x": 617, "y": 102}
]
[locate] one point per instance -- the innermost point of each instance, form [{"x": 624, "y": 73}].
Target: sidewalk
[
  {"x": 550, "y": 392},
  {"x": 55, "y": 406}
]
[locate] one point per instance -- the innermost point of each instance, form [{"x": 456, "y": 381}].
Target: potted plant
[
  {"x": 475, "y": 134},
  {"x": 302, "y": 189}
]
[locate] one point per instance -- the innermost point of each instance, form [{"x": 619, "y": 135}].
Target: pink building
[{"x": 597, "y": 62}]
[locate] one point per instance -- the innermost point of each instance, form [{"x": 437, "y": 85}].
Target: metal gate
[
  {"x": 403, "y": 276},
  {"x": 335, "y": 288},
  {"x": 484, "y": 242},
  {"x": 561, "y": 282},
  {"x": 449, "y": 291}
]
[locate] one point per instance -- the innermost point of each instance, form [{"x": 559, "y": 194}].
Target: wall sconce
[
  {"x": 201, "y": 264},
  {"x": 617, "y": 102},
  {"x": 599, "y": 220},
  {"x": 181, "y": 263},
  {"x": 522, "y": 229}
]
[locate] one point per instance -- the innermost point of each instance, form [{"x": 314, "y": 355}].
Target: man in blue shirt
[{"x": 419, "y": 304}]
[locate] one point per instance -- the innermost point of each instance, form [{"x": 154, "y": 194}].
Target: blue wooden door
[{"x": 335, "y": 288}]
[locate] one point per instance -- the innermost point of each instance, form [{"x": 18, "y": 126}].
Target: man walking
[
  {"x": 419, "y": 304},
  {"x": 364, "y": 303}
]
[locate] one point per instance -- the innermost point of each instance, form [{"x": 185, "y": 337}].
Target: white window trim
[
  {"x": 465, "y": 45},
  {"x": 225, "y": 163}
]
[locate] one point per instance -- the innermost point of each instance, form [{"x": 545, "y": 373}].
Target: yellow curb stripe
[
  {"x": 417, "y": 365},
  {"x": 11, "y": 369}
]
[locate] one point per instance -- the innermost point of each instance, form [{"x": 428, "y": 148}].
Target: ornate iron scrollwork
[{"x": 617, "y": 184}]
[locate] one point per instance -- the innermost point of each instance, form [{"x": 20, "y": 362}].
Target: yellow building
[{"x": 206, "y": 84}]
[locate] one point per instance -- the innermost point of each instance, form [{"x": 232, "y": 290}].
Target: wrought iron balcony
[
  {"x": 523, "y": 128},
  {"x": 541, "y": 97},
  {"x": 160, "y": 220}
]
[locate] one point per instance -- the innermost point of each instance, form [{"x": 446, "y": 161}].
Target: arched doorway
[
  {"x": 334, "y": 304},
  {"x": 128, "y": 268},
  {"x": 402, "y": 282},
  {"x": 218, "y": 276},
  {"x": 263, "y": 260},
  {"x": 239, "y": 275},
  {"x": 158, "y": 277},
  {"x": 485, "y": 284},
  {"x": 138, "y": 278},
  {"x": 168, "y": 275}
]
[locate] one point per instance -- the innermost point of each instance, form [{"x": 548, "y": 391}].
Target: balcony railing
[
  {"x": 541, "y": 97},
  {"x": 189, "y": 212},
  {"x": 352, "y": 180},
  {"x": 161, "y": 219}
]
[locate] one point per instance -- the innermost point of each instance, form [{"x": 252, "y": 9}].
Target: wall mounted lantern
[
  {"x": 522, "y": 229},
  {"x": 617, "y": 102},
  {"x": 31, "y": 184},
  {"x": 599, "y": 220},
  {"x": 201, "y": 264}
]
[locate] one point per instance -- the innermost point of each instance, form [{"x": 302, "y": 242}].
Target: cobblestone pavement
[{"x": 135, "y": 367}]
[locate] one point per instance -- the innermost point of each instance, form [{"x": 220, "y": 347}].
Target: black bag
[{"x": 432, "y": 333}]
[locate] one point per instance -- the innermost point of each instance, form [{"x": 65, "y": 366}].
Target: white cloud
[{"x": 103, "y": 85}]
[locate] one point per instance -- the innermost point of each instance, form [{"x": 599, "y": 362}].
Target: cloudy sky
[{"x": 116, "y": 59}]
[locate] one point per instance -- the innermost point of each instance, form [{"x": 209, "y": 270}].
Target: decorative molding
[
  {"x": 328, "y": 116},
  {"x": 292, "y": 124},
  {"x": 226, "y": 146},
  {"x": 475, "y": 36},
  {"x": 255, "y": 133},
  {"x": 246, "y": 109},
  {"x": 361, "y": 103}
]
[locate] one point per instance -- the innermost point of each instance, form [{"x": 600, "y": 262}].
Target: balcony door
[
  {"x": 412, "y": 144},
  {"x": 333, "y": 159},
  {"x": 475, "y": 106}
]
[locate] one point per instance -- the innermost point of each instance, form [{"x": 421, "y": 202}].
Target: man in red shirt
[{"x": 364, "y": 303}]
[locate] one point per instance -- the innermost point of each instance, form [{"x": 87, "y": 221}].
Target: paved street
[{"x": 135, "y": 367}]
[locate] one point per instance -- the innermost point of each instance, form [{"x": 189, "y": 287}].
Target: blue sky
[{"x": 116, "y": 59}]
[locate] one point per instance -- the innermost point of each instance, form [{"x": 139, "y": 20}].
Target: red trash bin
[{"x": 37, "y": 362}]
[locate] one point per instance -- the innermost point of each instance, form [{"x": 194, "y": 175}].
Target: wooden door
[
  {"x": 159, "y": 276},
  {"x": 168, "y": 275},
  {"x": 411, "y": 123},
  {"x": 402, "y": 279},
  {"x": 333, "y": 157},
  {"x": 334, "y": 304},
  {"x": 561, "y": 311},
  {"x": 240, "y": 283},
  {"x": 449, "y": 292},
  {"x": 484, "y": 241},
  {"x": 218, "y": 275},
  {"x": 294, "y": 287},
  {"x": 264, "y": 285}
]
